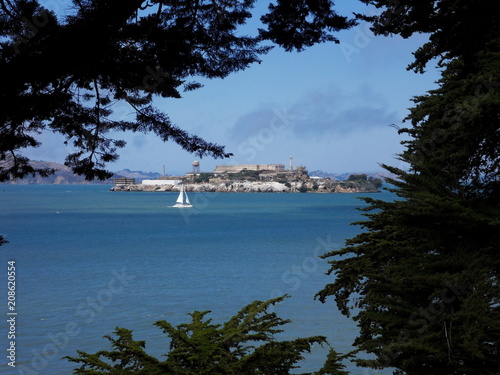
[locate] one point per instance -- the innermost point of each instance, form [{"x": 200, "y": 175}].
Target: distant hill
[
  {"x": 138, "y": 175},
  {"x": 65, "y": 176},
  {"x": 345, "y": 176}
]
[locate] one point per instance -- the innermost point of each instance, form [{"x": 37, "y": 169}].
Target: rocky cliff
[{"x": 260, "y": 187}]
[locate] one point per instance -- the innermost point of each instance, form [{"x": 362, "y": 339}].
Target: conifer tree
[
  {"x": 245, "y": 344},
  {"x": 424, "y": 273}
]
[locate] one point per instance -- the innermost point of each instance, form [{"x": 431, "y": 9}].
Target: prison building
[{"x": 249, "y": 167}]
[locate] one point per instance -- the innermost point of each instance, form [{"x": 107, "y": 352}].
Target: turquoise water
[{"x": 89, "y": 260}]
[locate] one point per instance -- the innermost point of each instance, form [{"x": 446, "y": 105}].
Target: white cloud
[{"x": 330, "y": 129}]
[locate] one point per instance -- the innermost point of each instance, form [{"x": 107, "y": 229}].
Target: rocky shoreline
[{"x": 258, "y": 187}]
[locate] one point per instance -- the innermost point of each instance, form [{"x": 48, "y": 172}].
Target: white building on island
[{"x": 161, "y": 182}]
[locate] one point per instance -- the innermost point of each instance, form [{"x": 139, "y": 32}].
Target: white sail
[
  {"x": 182, "y": 199},
  {"x": 179, "y": 198}
]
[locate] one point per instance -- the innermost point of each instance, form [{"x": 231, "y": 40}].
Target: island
[{"x": 252, "y": 178}]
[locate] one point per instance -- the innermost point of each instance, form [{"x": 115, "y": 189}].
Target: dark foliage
[
  {"x": 245, "y": 344},
  {"x": 357, "y": 177},
  {"x": 457, "y": 28},
  {"x": 296, "y": 24},
  {"x": 424, "y": 274}
]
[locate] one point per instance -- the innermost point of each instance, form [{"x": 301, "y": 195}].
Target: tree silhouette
[
  {"x": 245, "y": 344},
  {"x": 424, "y": 274}
]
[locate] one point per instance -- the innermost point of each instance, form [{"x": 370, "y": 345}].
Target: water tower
[{"x": 196, "y": 167}]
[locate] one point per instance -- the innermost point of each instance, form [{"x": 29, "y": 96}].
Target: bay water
[{"x": 89, "y": 260}]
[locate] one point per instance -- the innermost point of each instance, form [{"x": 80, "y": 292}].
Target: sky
[{"x": 330, "y": 107}]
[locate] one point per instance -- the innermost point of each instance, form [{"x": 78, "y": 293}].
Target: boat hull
[{"x": 182, "y": 205}]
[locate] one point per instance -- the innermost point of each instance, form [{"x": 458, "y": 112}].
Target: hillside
[
  {"x": 344, "y": 176},
  {"x": 65, "y": 176},
  {"x": 138, "y": 175}
]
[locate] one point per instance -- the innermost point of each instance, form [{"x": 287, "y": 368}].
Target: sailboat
[{"x": 182, "y": 200}]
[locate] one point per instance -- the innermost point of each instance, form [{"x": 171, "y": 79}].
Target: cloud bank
[{"x": 328, "y": 129}]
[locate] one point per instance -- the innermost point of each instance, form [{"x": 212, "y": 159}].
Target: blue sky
[{"x": 330, "y": 107}]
